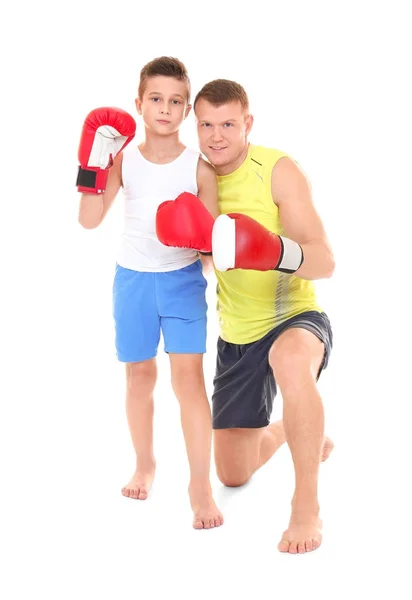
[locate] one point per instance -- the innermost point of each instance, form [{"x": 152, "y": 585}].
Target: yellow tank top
[{"x": 251, "y": 303}]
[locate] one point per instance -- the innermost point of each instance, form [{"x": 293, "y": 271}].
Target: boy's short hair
[
  {"x": 223, "y": 91},
  {"x": 166, "y": 66}
]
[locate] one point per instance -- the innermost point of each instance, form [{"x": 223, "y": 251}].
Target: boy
[{"x": 157, "y": 287}]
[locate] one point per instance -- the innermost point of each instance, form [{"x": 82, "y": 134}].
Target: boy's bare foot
[
  {"x": 139, "y": 486},
  {"x": 206, "y": 514},
  {"x": 304, "y": 531}
]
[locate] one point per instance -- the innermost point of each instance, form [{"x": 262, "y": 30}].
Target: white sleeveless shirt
[{"x": 145, "y": 186}]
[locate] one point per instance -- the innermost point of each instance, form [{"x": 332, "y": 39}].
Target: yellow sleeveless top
[{"x": 251, "y": 303}]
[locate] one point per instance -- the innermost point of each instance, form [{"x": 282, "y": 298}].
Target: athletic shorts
[
  {"x": 244, "y": 385},
  {"x": 145, "y": 304}
]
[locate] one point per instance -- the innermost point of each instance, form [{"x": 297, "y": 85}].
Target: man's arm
[
  {"x": 300, "y": 221},
  {"x": 208, "y": 194},
  {"x": 94, "y": 207}
]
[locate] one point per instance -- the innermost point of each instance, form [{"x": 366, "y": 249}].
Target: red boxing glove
[
  {"x": 106, "y": 132},
  {"x": 185, "y": 223},
  {"x": 240, "y": 242}
]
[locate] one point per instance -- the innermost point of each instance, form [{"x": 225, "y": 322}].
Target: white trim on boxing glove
[
  {"x": 224, "y": 243},
  {"x": 106, "y": 144},
  {"x": 292, "y": 256}
]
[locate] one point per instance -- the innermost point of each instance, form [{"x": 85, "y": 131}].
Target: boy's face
[
  {"x": 222, "y": 132},
  {"x": 164, "y": 104}
]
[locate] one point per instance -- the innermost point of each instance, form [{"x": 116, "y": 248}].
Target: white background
[{"x": 328, "y": 83}]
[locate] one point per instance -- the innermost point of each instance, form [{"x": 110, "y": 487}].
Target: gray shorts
[{"x": 244, "y": 385}]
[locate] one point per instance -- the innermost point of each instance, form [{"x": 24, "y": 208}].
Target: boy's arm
[
  {"x": 94, "y": 207},
  {"x": 207, "y": 263},
  {"x": 207, "y": 187},
  {"x": 187, "y": 221}
]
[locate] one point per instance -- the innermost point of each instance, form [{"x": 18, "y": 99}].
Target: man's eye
[
  {"x": 205, "y": 124},
  {"x": 155, "y": 99},
  {"x": 228, "y": 124}
]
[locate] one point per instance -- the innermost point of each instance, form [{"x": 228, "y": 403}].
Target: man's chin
[{"x": 215, "y": 159}]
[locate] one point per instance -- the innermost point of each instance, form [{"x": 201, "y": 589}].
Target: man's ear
[
  {"x": 138, "y": 103},
  {"x": 249, "y": 123}
]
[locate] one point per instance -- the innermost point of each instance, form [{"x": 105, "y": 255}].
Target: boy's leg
[
  {"x": 183, "y": 310},
  {"x": 140, "y": 383},
  {"x": 189, "y": 387},
  {"x": 137, "y": 337}
]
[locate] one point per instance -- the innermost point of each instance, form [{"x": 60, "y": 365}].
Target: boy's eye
[
  {"x": 228, "y": 125},
  {"x": 155, "y": 99},
  {"x": 205, "y": 124},
  {"x": 176, "y": 101}
]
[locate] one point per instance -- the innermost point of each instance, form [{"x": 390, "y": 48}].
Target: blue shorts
[{"x": 173, "y": 302}]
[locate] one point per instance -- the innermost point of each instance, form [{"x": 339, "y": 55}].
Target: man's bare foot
[
  {"x": 304, "y": 531},
  {"x": 303, "y": 535},
  {"x": 139, "y": 486},
  {"x": 206, "y": 514}
]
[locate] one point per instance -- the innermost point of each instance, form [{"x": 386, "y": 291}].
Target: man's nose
[{"x": 217, "y": 134}]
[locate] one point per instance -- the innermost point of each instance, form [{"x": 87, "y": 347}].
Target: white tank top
[{"x": 145, "y": 186}]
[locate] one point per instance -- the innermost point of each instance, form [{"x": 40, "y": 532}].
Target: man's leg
[
  {"x": 239, "y": 452},
  {"x": 242, "y": 405},
  {"x": 295, "y": 358},
  {"x": 244, "y": 389}
]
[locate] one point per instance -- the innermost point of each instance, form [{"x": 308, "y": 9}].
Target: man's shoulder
[
  {"x": 266, "y": 156},
  {"x": 205, "y": 169}
]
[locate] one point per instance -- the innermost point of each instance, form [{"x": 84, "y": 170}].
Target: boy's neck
[{"x": 161, "y": 148}]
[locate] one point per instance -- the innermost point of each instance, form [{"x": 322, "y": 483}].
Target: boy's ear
[{"x": 188, "y": 109}]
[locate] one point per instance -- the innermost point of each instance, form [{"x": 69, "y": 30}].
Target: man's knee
[
  {"x": 287, "y": 367},
  {"x": 296, "y": 355},
  {"x": 235, "y": 453},
  {"x": 230, "y": 477}
]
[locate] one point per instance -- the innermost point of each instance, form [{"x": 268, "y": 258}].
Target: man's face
[
  {"x": 164, "y": 104},
  {"x": 222, "y": 132}
]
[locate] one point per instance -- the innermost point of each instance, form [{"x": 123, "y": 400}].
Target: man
[{"x": 268, "y": 246}]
